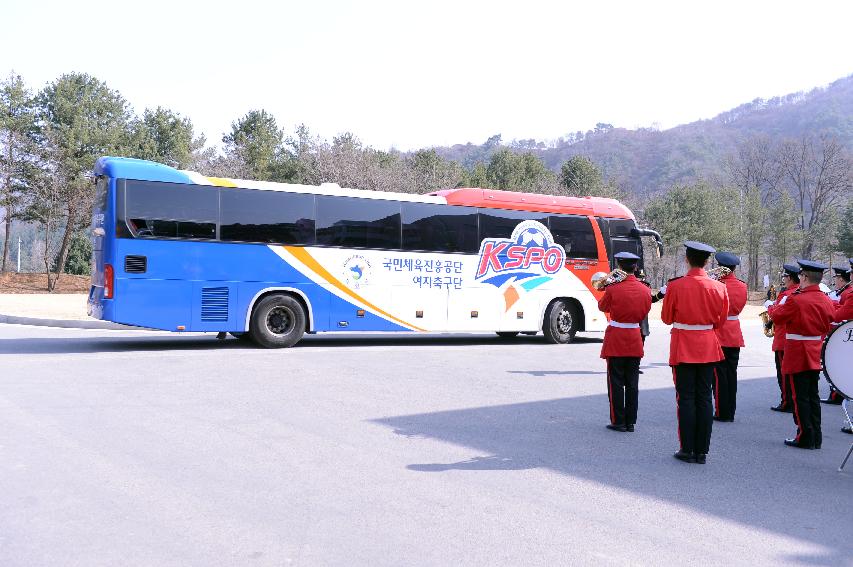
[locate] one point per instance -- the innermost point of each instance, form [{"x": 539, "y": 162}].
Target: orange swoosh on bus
[{"x": 303, "y": 256}]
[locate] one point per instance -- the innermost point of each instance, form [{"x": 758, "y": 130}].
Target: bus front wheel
[
  {"x": 277, "y": 321},
  {"x": 561, "y": 322}
]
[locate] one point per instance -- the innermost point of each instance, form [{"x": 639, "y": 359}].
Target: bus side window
[
  {"x": 499, "y": 223},
  {"x": 439, "y": 228},
  {"x": 360, "y": 223},
  {"x": 574, "y": 233},
  {"x": 171, "y": 210},
  {"x": 271, "y": 217}
]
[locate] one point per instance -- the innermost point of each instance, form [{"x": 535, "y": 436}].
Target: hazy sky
[{"x": 416, "y": 74}]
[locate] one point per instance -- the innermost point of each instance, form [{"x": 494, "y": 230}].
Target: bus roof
[
  {"x": 494, "y": 199},
  {"x": 143, "y": 170}
]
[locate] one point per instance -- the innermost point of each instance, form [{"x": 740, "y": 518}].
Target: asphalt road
[{"x": 138, "y": 448}]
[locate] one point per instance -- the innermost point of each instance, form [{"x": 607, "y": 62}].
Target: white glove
[
  {"x": 662, "y": 290},
  {"x": 784, "y": 299},
  {"x": 768, "y": 303}
]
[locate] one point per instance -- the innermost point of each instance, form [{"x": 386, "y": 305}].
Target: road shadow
[
  {"x": 751, "y": 477},
  {"x": 553, "y": 372},
  {"x": 101, "y": 343}
]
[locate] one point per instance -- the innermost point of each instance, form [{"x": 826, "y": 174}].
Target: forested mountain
[{"x": 647, "y": 160}]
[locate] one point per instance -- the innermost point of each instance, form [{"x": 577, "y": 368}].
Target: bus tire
[
  {"x": 278, "y": 321},
  {"x": 562, "y": 321},
  {"x": 507, "y": 334}
]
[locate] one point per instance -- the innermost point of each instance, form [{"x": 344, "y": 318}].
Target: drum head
[{"x": 838, "y": 358}]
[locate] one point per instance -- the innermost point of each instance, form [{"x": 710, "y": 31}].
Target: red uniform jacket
[
  {"x": 730, "y": 334},
  {"x": 779, "y": 327},
  {"x": 807, "y": 313},
  {"x": 844, "y": 309},
  {"x": 695, "y": 299},
  {"x": 846, "y": 295},
  {"x": 628, "y": 301}
]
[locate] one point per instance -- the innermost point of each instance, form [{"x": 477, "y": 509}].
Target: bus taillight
[{"x": 108, "y": 281}]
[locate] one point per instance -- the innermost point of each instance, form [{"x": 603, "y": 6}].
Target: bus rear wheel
[
  {"x": 278, "y": 321},
  {"x": 561, "y": 323}
]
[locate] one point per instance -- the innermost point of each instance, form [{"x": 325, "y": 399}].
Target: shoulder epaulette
[
  {"x": 675, "y": 278},
  {"x": 645, "y": 283},
  {"x": 741, "y": 281}
]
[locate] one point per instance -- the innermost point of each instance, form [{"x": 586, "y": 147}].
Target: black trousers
[
  {"x": 725, "y": 384},
  {"x": 784, "y": 381},
  {"x": 807, "y": 408},
  {"x": 623, "y": 376},
  {"x": 693, "y": 399}
]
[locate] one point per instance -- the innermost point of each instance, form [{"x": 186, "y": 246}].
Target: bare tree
[
  {"x": 47, "y": 203},
  {"x": 819, "y": 176},
  {"x": 756, "y": 172},
  {"x": 17, "y": 123}
]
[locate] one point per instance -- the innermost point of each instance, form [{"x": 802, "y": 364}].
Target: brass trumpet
[
  {"x": 602, "y": 280},
  {"x": 769, "y": 331},
  {"x": 719, "y": 272}
]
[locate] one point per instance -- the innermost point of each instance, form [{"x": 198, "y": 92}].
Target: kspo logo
[{"x": 530, "y": 250}]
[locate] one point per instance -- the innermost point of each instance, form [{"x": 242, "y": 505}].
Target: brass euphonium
[
  {"x": 769, "y": 331},
  {"x": 719, "y": 272},
  {"x": 601, "y": 281}
]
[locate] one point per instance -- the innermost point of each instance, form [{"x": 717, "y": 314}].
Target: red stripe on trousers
[
  {"x": 796, "y": 413},
  {"x": 610, "y": 394},
  {"x": 677, "y": 414},
  {"x": 716, "y": 393}
]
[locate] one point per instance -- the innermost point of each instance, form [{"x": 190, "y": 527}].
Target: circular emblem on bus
[{"x": 356, "y": 271}]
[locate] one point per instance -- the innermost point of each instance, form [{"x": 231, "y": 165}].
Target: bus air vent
[
  {"x": 135, "y": 264},
  {"x": 214, "y": 304}
]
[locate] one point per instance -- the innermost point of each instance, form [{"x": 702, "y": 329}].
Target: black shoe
[
  {"x": 783, "y": 409},
  {"x": 847, "y": 430},
  {"x": 700, "y": 458},
  {"x": 641, "y": 371},
  {"x": 832, "y": 401},
  {"x": 685, "y": 456},
  {"x": 629, "y": 428},
  {"x": 794, "y": 443},
  {"x": 620, "y": 428}
]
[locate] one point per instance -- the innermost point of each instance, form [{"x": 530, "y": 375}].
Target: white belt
[
  {"x": 624, "y": 325},
  {"x": 732, "y": 318},
  {"x": 796, "y": 337},
  {"x": 686, "y": 327}
]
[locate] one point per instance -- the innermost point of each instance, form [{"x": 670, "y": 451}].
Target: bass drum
[{"x": 837, "y": 358}]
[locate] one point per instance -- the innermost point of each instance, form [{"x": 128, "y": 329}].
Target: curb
[{"x": 66, "y": 323}]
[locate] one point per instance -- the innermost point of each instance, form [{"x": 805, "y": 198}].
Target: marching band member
[
  {"x": 807, "y": 315},
  {"x": 791, "y": 282},
  {"x": 844, "y": 310},
  {"x": 841, "y": 286},
  {"x": 694, "y": 305},
  {"x": 840, "y": 294},
  {"x": 628, "y": 303},
  {"x": 731, "y": 341}
]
